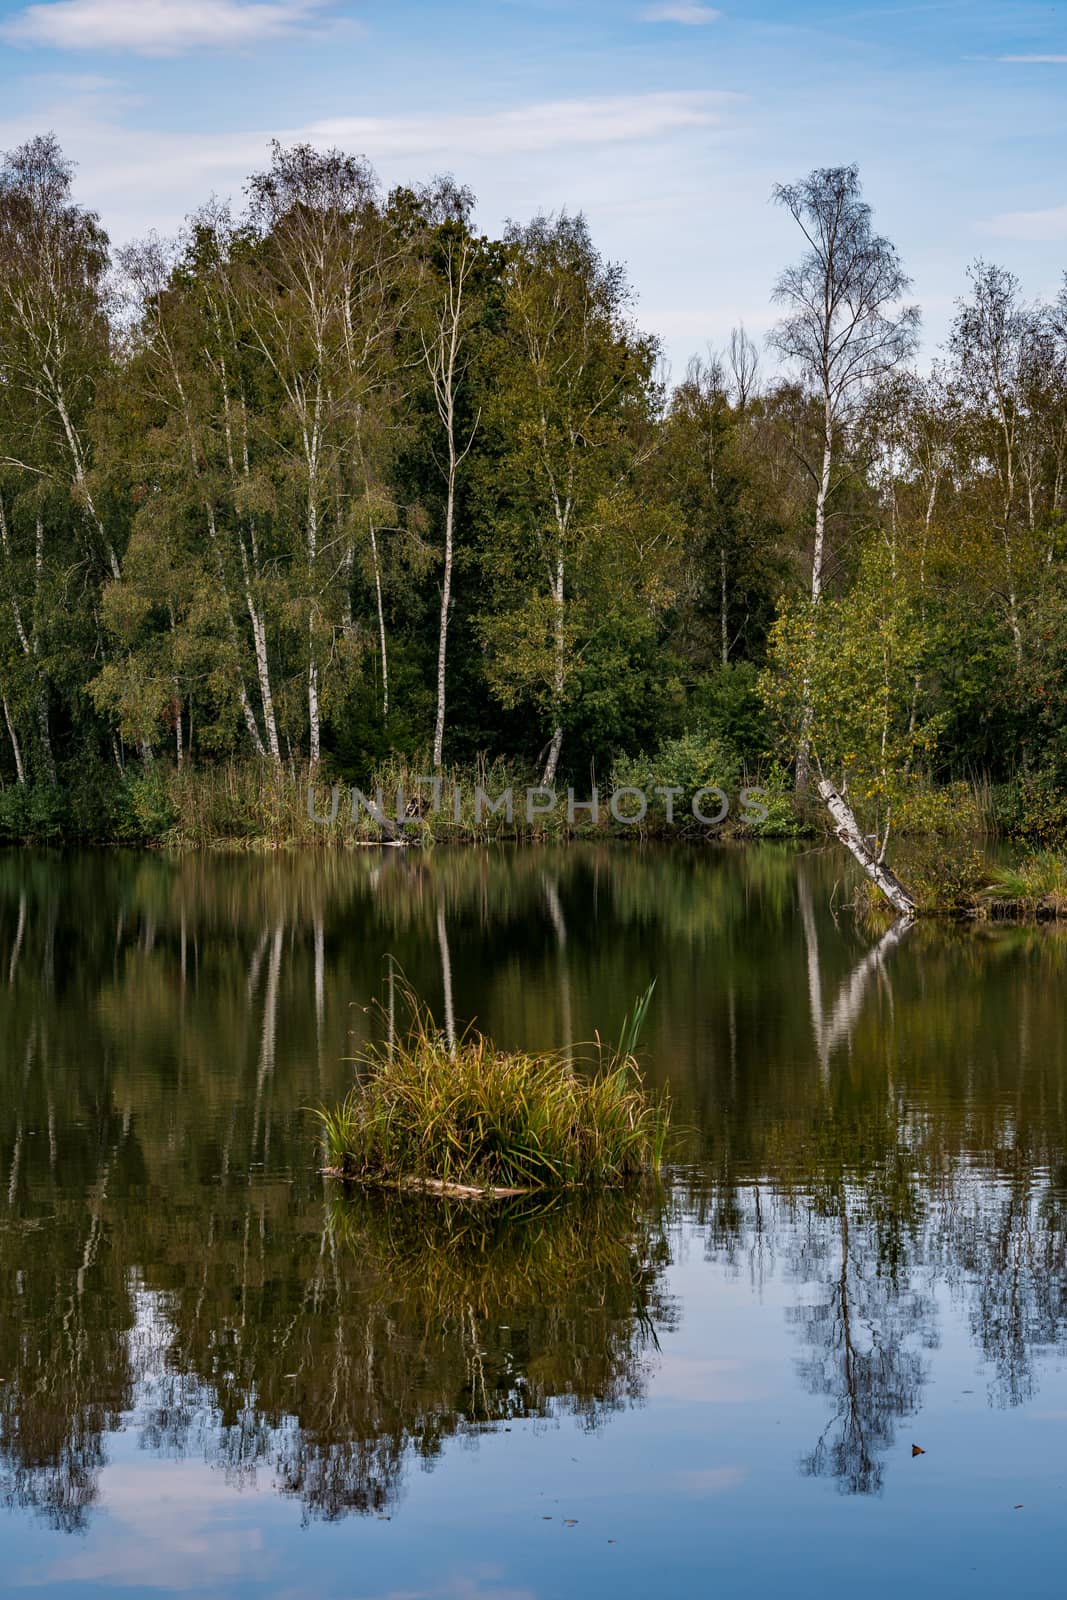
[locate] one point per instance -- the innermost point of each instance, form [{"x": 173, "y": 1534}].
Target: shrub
[
  {"x": 689, "y": 762},
  {"x": 1033, "y": 806},
  {"x": 940, "y": 880},
  {"x": 145, "y": 811}
]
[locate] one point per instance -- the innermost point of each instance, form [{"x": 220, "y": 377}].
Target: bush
[
  {"x": 950, "y": 811},
  {"x": 689, "y": 762},
  {"x": 785, "y": 819},
  {"x": 942, "y": 881},
  {"x": 729, "y": 705},
  {"x": 145, "y": 811},
  {"x": 33, "y": 813},
  {"x": 1033, "y": 806}
]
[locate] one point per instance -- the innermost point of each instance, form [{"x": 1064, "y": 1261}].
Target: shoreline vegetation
[
  {"x": 331, "y": 482},
  {"x": 456, "y": 1117},
  {"x": 943, "y": 835}
]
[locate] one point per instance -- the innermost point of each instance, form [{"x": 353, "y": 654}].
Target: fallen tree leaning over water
[
  {"x": 466, "y": 1118},
  {"x": 847, "y": 830}
]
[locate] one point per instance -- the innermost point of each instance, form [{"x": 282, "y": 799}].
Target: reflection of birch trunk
[
  {"x": 446, "y": 977},
  {"x": 16, "y": 948},
  {"x": 269, "y": 1034},
  {"x": 831, "y": 1026},
  {"x": 320, "y": 972},
  {"x": 555, "y": 913},
  {"x": 254, "y": 966}
]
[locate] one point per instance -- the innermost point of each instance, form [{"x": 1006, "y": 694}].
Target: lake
[{"x": 220, "y": 1377}]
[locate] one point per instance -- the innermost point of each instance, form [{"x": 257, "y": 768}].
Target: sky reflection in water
[{"x": 218, "y": 1381}]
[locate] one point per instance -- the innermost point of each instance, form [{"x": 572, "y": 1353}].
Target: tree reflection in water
[{"x": 174, "y": 1264}]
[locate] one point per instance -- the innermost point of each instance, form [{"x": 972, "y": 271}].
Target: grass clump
[
  {"x": 1037, "y": 885},
  {"x": 466, "y": 1116}
]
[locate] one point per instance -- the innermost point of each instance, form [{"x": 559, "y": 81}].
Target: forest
[{"x": 332, "y": 484}]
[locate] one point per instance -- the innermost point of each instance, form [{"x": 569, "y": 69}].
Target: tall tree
[
  {"x": 844, "y": 328},
  {"x": 567, "y": 383},
  {"x": 448, "y": 317},
  {"x": 54, "y": 350},
  {"x": 322, "y": 294}
]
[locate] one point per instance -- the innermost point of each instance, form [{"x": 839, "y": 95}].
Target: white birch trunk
[
  {"x": 314, "y": 747},
  {"x": 20, "y": 770},
  {"x": 803, "y": 778},
  {"x": 443, "y": 357},
  {"x": 314, "y": 721},
  {"x": 78, "y": 462},
  {"x": 552, "y": 762},
  {"x": 446, "y": 602},
  {"x": 381, "y": 623},
  {"x": 179, "y": 752},
  {"x": 266, "y": 695},
  {"x": 847, "y": 830}
]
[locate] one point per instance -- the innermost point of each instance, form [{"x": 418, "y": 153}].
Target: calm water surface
[{"x": 216, "y": 1379}]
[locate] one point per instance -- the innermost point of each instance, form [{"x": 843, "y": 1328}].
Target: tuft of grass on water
[
  {"x": 467, "y": 1113},
  {"x": 1038, "y": 884}
]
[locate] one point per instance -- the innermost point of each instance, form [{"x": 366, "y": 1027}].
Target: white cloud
[
  {"x": 688, "y": 12},
  {"x": 158, "y": 27},
  {"x": 1036, "y": 60},
  {"x": 159, "y": 174},
  {"x": 1039, "y": 225},
  {"x": 172, "y": 1526},
  {"x": 546, "y": 125}
]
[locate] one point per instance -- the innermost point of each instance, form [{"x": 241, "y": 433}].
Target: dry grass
[{"x": 467, "y": 1116}]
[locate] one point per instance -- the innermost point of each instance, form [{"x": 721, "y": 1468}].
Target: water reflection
[{"x": 879, "y": 1122}]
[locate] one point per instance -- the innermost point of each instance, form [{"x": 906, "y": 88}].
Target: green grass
[
  {"x": 468, "y": 1114},
  {"x": 1038, "y": 884}
]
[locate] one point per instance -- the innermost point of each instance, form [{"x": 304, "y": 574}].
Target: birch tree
[
  {"x": 1003, "y": 353},
  {"x": 200, "y": 488},
  {"x": 567, "y": 376},
  {"x": 53, "y": 325},
  {"x": 449, "y": 318},
  {"x": 56, "y": 546},
  {"x": 844, "y": 328},
  {"x": 322, "y": 296}
]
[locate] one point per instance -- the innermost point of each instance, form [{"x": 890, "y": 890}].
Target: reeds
[
  {"x": 468, "y": 1116},
  {"x": 1037, "y": 885}
]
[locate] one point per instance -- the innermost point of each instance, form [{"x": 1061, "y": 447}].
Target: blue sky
[{"x": 667, "y": 123}]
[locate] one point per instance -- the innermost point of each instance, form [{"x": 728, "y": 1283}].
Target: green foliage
[
  {"x": 948, "y": 811},
  {"x": 222, "y": 527},
  {"x": 689, "y": 762},
  {"x": 728, "y": 703},
  {"x": 1033, "y": 806},
  {"x": 146, "y": 810},
  {"x": 427, "y": 1109},
  {"x": 846, "y": 670},
  {"x": 785, "y": 819},
  {"x": 943, "y": 881}
]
